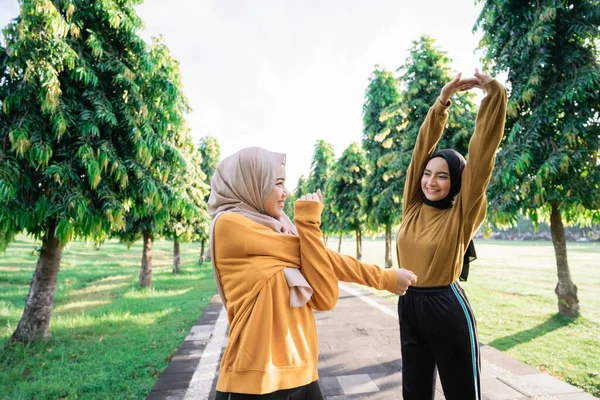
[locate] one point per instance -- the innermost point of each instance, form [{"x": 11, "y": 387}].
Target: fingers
[
  {"x": 485, "y": 78},
  {"x": 318, "y": 197},
  {"x": 413, "y": 279},
  {"x": 406, "y": 278}
]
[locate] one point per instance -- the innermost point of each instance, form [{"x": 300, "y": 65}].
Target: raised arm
[
  {"x": 314, "y": 261},
  {"x": 428, "y": 137},
  {"x": 489, "y": 128}
]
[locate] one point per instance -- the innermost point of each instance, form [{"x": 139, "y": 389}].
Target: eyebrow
[
  {"x": 280, "y": 179},
  {"x": 445, "y": 173}
]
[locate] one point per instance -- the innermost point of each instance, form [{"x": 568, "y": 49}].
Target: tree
[
  {"x": 423, "y": 75},
  {"x": 73, "y": 111},
  {"x": 154, "y": 186},
  {"x": 345, "y": 188},
  {"x": 191, "y": 210},
  {"x": 321, "y": 169},
  {"x": 210, "y": 152},
  {"x": 298, "y": 192},
  {"x": 381, "y": 205},
  {"x": 547, "y": 167}
]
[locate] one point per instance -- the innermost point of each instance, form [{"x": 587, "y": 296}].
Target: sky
[{"x": 282, "y": 74}]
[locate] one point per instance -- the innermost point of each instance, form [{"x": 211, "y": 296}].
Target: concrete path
[{"x": 359, "y": 343}]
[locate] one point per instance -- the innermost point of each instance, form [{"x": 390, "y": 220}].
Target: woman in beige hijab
[{"x": 271, "y": 275}]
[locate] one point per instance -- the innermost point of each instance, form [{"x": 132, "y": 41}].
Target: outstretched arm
[{"x": 319, "y": 263}]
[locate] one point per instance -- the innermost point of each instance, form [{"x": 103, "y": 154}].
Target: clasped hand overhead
[{"x": 460, "y": 84}]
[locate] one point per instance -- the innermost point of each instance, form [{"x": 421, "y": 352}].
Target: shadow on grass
[{"x": 553, "y": 323}]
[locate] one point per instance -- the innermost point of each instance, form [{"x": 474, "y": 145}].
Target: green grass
[
  {"x": 110, "y": 339},
  {"x": 511, "y": 290}
]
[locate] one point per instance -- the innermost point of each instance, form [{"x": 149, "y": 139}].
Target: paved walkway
[{"x": 359, "y": 358}]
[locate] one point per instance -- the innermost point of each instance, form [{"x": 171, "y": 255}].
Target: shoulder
[{"x": 235, "y": 222}]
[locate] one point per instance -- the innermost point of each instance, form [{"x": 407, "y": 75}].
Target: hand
[
  {"x": 485, "y": 78},
  {"x": 318, "y": 197},
  {"x": 458, "y": 85},
  {"x": 405, "y": 279}
]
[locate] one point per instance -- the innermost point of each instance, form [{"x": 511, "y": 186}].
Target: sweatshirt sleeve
[
  {"x": 320, "y": 264},
  {"x": 489, "y": 128},
  {"x": 428, "y": 137},
  {"x": 315, "y": 264}
]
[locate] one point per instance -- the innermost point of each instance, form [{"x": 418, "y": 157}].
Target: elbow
[
  {"x": 324, "y": 305},
  {"x": 327, "y": 302}
]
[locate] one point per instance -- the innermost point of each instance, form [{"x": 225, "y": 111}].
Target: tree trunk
[
  {"x": 176, "y": 256},
  {"x": 359, "y": 245},
  {"x": 202, "y": 256},
  {"x": 35, "y": 320},
  {"x": 325, "y": 239},
  {"x": 388, "y": 246},
  {"x": 566, "y": 291},
  {"x": 340, "y": 244},
  {"x": 146, "y": 270}
]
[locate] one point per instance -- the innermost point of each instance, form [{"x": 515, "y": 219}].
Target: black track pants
[{"x": 437, "y": 328}]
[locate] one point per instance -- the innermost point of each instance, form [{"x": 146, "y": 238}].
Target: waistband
[{"x": 430, "y": 290}]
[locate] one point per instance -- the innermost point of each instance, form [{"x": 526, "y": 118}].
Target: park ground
[{"x": 111, "y": 339}]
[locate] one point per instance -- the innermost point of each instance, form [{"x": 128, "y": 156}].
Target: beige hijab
[{"x": 241, "y": 183}]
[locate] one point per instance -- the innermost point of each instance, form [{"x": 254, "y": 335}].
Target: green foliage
[
  {"x": 550, "y": 152},
  {"x": 211, "y": 152},
  {"x": 380, "y": 203},
  {"x": 189, "y": 218},
  {"x": 298, "y": 192},
  {"x": 110, "y": 339},
  {"x": 321, "y": 171},
  {"x": 92, "y": 121},
  {"x": 345, "y": 188},
  {"x": 162, "y": 181},
  {"x": 424, "y": 74}
]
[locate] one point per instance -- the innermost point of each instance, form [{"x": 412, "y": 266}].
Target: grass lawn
[
  {"x": 110, "y": 339},
  {"x": 511, "y": 290}
]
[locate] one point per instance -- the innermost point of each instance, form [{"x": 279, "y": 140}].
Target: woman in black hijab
[{"x": 444, "y": 204}]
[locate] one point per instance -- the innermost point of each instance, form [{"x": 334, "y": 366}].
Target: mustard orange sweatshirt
[
  {"x": 432, "y": 242},
  {"x": 271, "y": 345}
]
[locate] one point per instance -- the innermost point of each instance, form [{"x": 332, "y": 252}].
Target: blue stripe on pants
[{"x": 471, "y": 336}]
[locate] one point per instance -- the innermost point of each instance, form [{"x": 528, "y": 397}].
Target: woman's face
[
  {"x": 275, "y": 202},
  {"x": 435, "y": 181}
]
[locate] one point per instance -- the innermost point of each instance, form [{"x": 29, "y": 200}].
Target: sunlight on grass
[
  {"x": 136, "y": 294},
  {"x": 101, "y": 318}
]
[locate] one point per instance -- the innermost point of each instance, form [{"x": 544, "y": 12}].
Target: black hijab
[{"x": 456, "y": 165}]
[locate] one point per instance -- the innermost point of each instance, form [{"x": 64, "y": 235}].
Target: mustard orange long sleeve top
[
  {"x": 271, "y": 345},
  {"x": 432, "y": 242}
]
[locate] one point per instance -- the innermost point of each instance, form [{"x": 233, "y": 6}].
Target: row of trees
[
  {"x": 548, "y": 166},
  {"x": 94, "y": 141}
]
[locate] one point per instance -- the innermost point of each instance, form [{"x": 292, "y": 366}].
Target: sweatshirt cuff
[
  {"x": 440, "y": 107},
  {"x": 308, "y": 210},
  {"x": 493, "y": 87},
  {"x": 391, "y": 279}
]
